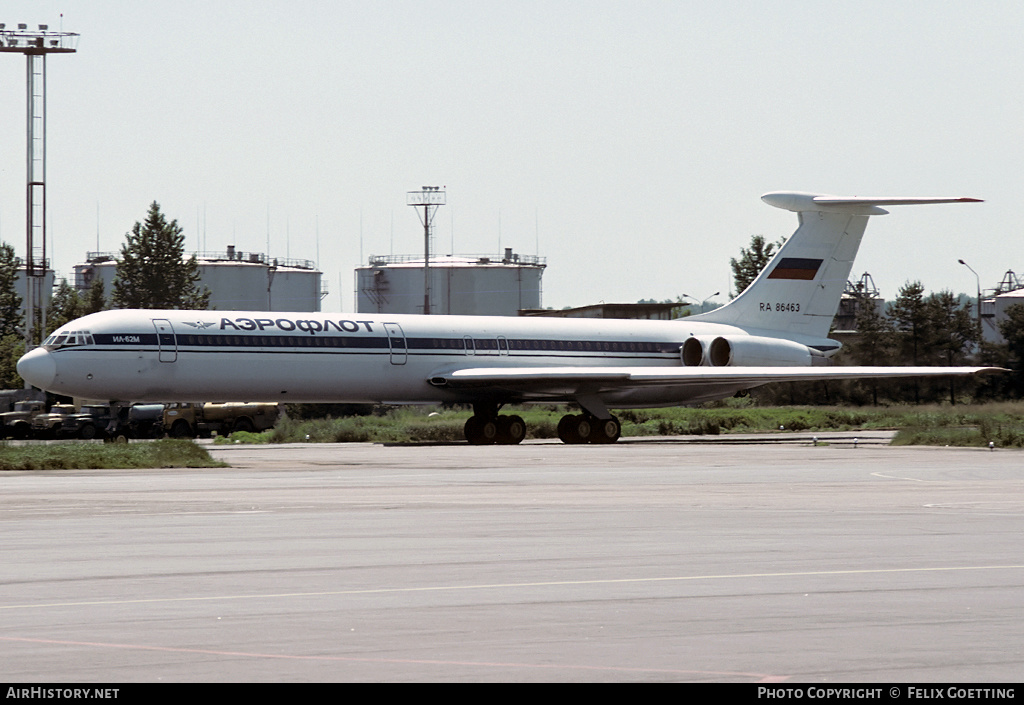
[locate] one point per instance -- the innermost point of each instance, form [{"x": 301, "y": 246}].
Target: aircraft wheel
[
  {"x": 511, "y": 430},
  {"x": 607, "y": 431},
  {"x": 564, "y": 429},
  {"x": 584, "y": 428},
  {"x": 480, "y": 430},
  {"x": 575, "y": 428}
]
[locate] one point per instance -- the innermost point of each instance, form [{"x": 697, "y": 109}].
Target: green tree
[
  {"x": 12, "y": 347},
  {"x": 12, "y": 344},
  {"x": 874, "y": 344},
  {"x": 953, "y": 328},
  {"x": 953, "y": 332},
  {"x": 932, "y": 330},
  {"x": 65, "y": 306},
  {"x": 752, "y": 261},
  {"x": 909, "y": 314},
  {"x": 684, "y": 309},
  {"x": 1012, "y": 328},
  {"x": 10, "y": 302},
  {"x": 94, "y": 299},
  {"x": 998, "y": 386},
  {"x": 152, "y": 271}
]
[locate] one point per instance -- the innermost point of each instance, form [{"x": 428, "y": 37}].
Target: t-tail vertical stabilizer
[{"x": 798, "y": 292}]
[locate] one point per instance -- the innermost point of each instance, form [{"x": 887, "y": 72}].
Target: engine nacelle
[
  {"x": 748, "y": 351},
  {"x": 694, "y": 352}
]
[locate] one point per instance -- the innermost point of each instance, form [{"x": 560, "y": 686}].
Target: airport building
[
  {"x": 651, "y": 311},
  {"x": 994, "y": 303},
  {"x": 856, "y": 297},
  {"x": 478, "y": 285},
  {"x": 238, "y": 281}
]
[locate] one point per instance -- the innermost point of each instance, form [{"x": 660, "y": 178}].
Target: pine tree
[
  {"x": 152, "y": 271},
  {"x": 953, "y": 332},
  {"x": 909, "y": 314},
  {"x": 953, "y": 328},
  {"x": 874, "y": 343}
]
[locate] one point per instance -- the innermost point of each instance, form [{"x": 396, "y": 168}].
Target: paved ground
[{"x": 644, "y": 561}]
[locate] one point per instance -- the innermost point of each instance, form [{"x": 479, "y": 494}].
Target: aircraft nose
[{"x": 38, "y": 368}]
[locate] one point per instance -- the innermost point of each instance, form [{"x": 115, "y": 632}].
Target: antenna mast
[
  {"x": 430, "y": 198},
  {"x": 35, "y": 45}
]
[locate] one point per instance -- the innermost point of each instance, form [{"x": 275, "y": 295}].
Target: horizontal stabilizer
[
  {"x": 799, "y": 201},
  {"x": 834, "y": 200}
]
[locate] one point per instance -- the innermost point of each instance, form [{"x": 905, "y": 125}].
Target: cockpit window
[{"x": 66, "y": 339}]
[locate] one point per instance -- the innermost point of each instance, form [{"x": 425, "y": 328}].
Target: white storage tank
[
  {"x": 479, "y": 285},
  {"x": 238, "y": 281}
]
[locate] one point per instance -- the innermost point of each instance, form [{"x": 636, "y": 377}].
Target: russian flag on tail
[{"x": 796, "y": 268}]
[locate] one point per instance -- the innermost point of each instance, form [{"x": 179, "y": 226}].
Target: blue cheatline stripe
[{"x": 489, "y": 346}]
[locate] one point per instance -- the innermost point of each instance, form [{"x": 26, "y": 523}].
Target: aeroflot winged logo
[
  {"x": 199, "y": 324},
  {"x": 796, "y": 268}
]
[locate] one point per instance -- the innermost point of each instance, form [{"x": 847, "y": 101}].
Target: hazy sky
[{"x": 627, "y": 142}]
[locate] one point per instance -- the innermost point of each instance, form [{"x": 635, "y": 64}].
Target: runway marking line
[
  {"x": 491, "y": 586},
  {"x": 897, "y": 477}
]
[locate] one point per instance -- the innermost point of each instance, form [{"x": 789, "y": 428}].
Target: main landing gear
[
  {"x": 486, "y": 427},
  {"x": 584, "y": 428}
]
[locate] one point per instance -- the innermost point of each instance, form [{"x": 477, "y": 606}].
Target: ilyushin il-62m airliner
[{"x": 776, "y": 330}]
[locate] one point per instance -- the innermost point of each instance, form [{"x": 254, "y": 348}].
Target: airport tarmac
[{"x": 648, "y": 560}]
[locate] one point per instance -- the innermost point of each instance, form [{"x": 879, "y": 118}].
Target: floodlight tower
[
  {"x": 35, "y": 45},
  {"x": 430, "y": 198}
]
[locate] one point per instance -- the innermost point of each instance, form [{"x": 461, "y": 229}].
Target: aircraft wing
[{"x": 560, "y": 380}]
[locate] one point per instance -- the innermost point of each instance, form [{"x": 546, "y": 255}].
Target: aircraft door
[
  {"x": 166, "y": 343},
  {"x": 396, "y": 341}
]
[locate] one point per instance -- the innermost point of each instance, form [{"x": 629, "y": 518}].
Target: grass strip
[
  {"x": 167, "y": 453},
  {"x": 1002, "y": 423}
]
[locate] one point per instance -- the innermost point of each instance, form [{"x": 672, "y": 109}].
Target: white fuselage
[
  {"x": 143, "y": 355},
  {"x": 774, "y": 331}
]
